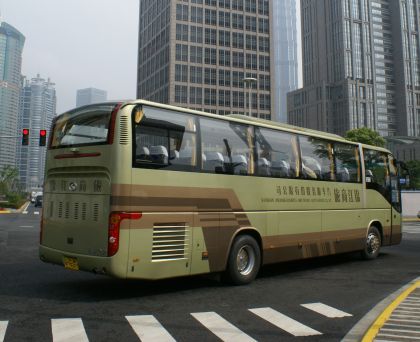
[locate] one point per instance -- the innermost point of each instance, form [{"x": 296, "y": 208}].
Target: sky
[{"x": 78, "y": 44}]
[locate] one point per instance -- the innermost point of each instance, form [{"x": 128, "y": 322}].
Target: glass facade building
[
  {"x": 11, "y": 47},
  {"x": 89, "y": 96},
  {"x": 197, "y": 53},
  {"x": 360, "y": 65},
  {"x": 36, "y": 111},
  {"x": 285, "y": 47}
]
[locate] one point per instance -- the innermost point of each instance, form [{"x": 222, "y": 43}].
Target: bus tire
[
  {"x": 244, "y": 261},
  {"x": 373, "y": 244}
]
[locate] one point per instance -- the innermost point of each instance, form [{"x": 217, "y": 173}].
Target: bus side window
[
  {"x": 317, "y": 160},
  {"x": 347, "y": 163},
  {"x": 277, "y": 153},
  {"x": 165, "y": 139},
  {"x": 377, "y": 173},
  {"x": 227, "y": 147}
]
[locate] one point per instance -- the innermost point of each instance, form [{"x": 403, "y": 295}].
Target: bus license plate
[{"x": 71, "y": 263}]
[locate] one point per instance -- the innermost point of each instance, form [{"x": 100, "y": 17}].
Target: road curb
[{"x": 359, "y": 331}]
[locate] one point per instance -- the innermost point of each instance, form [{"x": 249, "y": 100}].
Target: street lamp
[{"x": 249, "y": 81}]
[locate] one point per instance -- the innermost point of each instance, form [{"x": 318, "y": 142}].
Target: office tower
[
  {"x": 203, "y": 54},
  {"x": 37, "y": 111},
  {"x": 11, "y": 47},
  {"x": 285, "y": 69},
  {"x": 360, "y": 67},
  {"x": 90, "y": 95}
]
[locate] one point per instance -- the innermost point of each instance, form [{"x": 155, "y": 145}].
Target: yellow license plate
[{"x": 71, "y": 263}]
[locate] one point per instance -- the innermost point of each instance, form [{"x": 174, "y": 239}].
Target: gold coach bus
[{"x": 145, "y": 190}]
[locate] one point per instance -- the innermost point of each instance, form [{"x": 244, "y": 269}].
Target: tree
[
  {"x": 8, "y": 179},
  {"x": 365, "y": 135},
  {"x": 414, "y": 170}
]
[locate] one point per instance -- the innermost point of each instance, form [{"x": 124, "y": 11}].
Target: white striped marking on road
[
  {"x": 3, "y": 327},
  {"x": 68, "y": 330},
  {"x": 26, "y": 207},
  {"x": 326, "y": 310},
  {"x": 221, "y": 328},
  {"x": 26, "y": 226},
  {"x": 36, "y": 212},
  {"x": 148, "y": 328},
  {"x": 283, "y": 322},
  {"x": 25, "y": 213}
]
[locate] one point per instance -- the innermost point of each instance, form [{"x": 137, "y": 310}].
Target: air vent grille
[
  {"x": 124, "y": 136},
  {"x": 170, "y": 242}
]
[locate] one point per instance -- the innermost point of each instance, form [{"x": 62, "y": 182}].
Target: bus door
[{"x": 395, "y": 198}]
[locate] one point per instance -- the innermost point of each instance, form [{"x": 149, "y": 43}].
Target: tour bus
[{"x": 150, "y": 191}]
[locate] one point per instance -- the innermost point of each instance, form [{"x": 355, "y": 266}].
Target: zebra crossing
[
  {"x": 411, "y": 229},
  {"x": 149, "y": 329}
]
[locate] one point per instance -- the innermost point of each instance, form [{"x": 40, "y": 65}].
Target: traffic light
[
  {"x": 25, "y": 137},
  {"x": 42, "y": 137}
]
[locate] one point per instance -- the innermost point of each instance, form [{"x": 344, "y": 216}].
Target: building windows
[
  {"x": 238, "y": 40},
  {"x": 238, "y": 5},
  {"x": 263, "y": 25},
  {"x": 196, "y": 95},
  {"x": 196, "y": 15},
  {"x": 196, "y": 35},
  {"x": 251, "y": 61},
  {"x": 181, "y": 52},
  {"x": 210, "y": 17},
  {"x": 181, "y": 73},
  {"x": 237, "y": 21},
  {"x": 182, "y": 12},
  {"x": 224, "y": 38},
  {"x": 210, "y": 76},
  {"x": 224, "y": 19},
  {"x": 182, "y": 32},
  {"x": 251, "y": 42},
  {"x": 210, "y": 97},
  {"x": 196, "y": 54},
  {"x": 224, "y": 57},
  {"x": 251, "y": 23},
  {"x": 210, "y": 36},
  {"x": 238, "y": 59},
  {"x": 224, "y": 78},
  {"x": 264, "y": 63},
  {"x": 196, "y": 74},
  {"x": 181, "y": 93},
  {"x": 210, "y": 56}
]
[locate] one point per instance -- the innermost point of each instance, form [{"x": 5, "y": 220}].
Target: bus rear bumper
[{"x": 99, "y": 265}]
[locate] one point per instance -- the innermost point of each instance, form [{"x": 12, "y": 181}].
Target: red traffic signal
[
  {"x": 25, "y": 137},
  {"x": 42, "y": 137}
]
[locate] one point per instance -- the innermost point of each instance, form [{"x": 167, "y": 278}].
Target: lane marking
[
  {"x": 36, "y": 212},
  {"x": 3, "y": 328},
  {"x": 390, "y": 325},
  {"x": 148, "y": 328},
  {"x": 408, "y": 339},
  {"x": 26, "y": 226},
  {"x": 386, "y": 314},
  {"x": 26, "y": 207},
  {"x": 284, "y": 322},
  {"x": 25, "y": 213},
  {"x": 326, "y": 310},
  {"x": 221, "y": 328},
  {"x": 68, "y": 330}
]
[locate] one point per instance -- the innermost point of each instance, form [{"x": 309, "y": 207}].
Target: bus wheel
[
  {"x": 373, "y": 244},
  {"x": 244, "y": 261}
]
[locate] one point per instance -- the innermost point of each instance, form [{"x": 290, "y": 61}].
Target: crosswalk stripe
[
  {"x": 326, "y": 310},
  {"x": 148, "y": 328},
  {"x": 221, "y": 328},
  {"x": 284, "y": 322},
  {"x": 36, "y": 212},
  {"x": 25, "y": 213},
  {"x": 68, "y": 330},
  {"x": 3, "y": 327}
]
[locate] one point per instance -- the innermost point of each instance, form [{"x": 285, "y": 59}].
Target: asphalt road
[{"x": 37, "y": 300}]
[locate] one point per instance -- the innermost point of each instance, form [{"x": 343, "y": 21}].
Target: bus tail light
[{"x": 115, "y": 219}]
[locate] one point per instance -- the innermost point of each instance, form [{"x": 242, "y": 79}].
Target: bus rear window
[{"x": 84, "y": 126}]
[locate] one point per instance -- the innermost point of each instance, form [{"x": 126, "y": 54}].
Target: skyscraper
[
  {"x": 11, "y": 47},
  {"x": 198, "y": 54},
  {"x": 90, "y": 95},
  {"x": 37, "y": 111},
  {"x": 285, "y": 69},
  {"x": 360, "y": 65}
]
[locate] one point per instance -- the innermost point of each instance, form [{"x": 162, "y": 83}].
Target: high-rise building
[
  {"x": 11, "y": 47},
  {"x": 89, "y": 96},
  {"x": 37, "y": 111},
  {"x": 204, "y": 54},
  {"x": 360, "y": 65},
  {"x": 285, "y": 45}
]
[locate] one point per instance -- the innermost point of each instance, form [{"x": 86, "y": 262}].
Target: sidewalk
[
  {"x": 11, "y": 211},
  {"x": 396, "y": 318}
]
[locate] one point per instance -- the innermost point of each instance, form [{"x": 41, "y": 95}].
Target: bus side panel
[
  {"x": 161, "y": 245},
  {"x": 396, "y": 233},
  {"x": 296, "y": 235}
]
